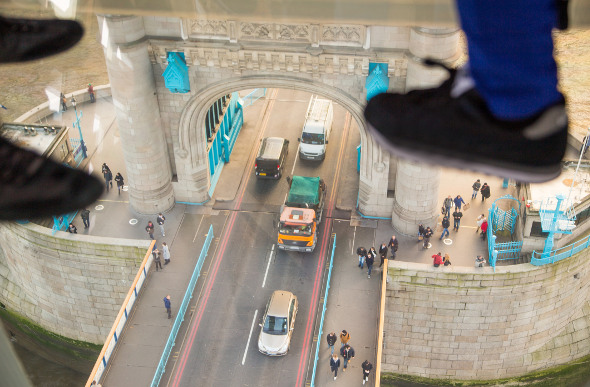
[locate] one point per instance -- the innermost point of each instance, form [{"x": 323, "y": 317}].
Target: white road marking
[
  {"x": 249, "y": 336},
  {"x": 268, "y": 264}
]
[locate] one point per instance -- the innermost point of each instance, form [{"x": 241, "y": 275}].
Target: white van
[{"x": 316, "y": 130}]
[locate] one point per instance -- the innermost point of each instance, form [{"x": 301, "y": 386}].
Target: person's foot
[
  {"x": 29, "y": 39},
  {"x": 369, "y": 276},
  {"x": 434, "y": 127},
  {"x": 334, "y": 377},
  {"x": 32, "y": 186}
]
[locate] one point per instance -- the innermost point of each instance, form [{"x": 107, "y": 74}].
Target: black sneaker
[
  {"x": 32, "y": 186},
  {"x": 431, "y": 126},
  {"x": 29, "y": 39}
]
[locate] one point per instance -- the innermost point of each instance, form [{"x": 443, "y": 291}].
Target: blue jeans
[
  {"x": 456, "y": 224},
  {"x": 345, "y": 363},
  {"x": 445, "y": 232},
  {"x": 474, "y": 195},
  {"x": 447, "y": 211},
  {"x": 361, "y": 261},
  {"x": 331, "y": 349},
  {"x": 369, "y": 267}
]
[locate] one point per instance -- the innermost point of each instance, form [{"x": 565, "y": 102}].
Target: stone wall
[
  {"x": 69, "y": 284},
  {"x": 472, "y": 323}
]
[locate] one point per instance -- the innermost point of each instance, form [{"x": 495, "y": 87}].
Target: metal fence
[
  {"x": 254, "y": 96},
  {"x": 324, "y": 305},
  {"x": 540, "y": 259},
  {"x": 182, "y": 310}
]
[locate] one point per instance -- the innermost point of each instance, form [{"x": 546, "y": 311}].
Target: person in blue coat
[{"x": 168, "y": 305}]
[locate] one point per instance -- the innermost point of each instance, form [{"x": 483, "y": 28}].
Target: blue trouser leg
[
  {"x": 370, "y": 267},
  {"x": 511, "y": 54}
]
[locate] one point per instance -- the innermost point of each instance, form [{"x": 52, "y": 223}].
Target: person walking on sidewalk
[
  {"x": 447, "y": 204},
  {"x": 157, "y": 258},
  {"x": 476, "y": 186},
  {"x": 458, "y": 202},
  {"x": 165, "y": 253},
  {"x": 344, "y": 338},
  {"x": 370, "y": 260},
  {"x": 383, "y": 253},
  {"x": 334, "y": 364},
  {"x": 120, "y": 181},
  {"x": 485, "y": 192},
  {"x": 367, "y": 367},
  {"x": 85, "y": 215},
  {"x": 331, "y": 339},
  {"x": 457, "y": 215},
  {"x": 347, "y": 353},
  {"x": 108, "y": 175},
  {"x": 484, "y": 229},
  {"x": 160, "y": 220},
  {"x": 480, "y": 219},
  {"x": 168, "y": 306},
  {"x": 427, "y": 235},
  {"x": 91, "y": 93},
  {"x": 393, "y": 246},
  {"x": 362, "y": 253},
  {"x": 63, "y": 102},
  {"x": 150, "y": 229},
  {"x": 445, "y": 225}
]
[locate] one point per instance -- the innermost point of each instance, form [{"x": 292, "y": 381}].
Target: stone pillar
[
  {"x": 416, "y": 185},
  {"x": 133, "y": 88}
]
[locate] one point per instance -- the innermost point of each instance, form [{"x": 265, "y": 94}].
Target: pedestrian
[
  {"x": 168, "y": 306},
  {"x": 427, "y": 235},
  {"x": 367, "y": 367},
  {"x": 458, "y": 201},
  {"x": 331, "y": 339},
  {"x": 480, "y": 219},
  {"x": 165, "y": 253},
  {"x": 447, "y": 204},
  {"x": 63, "y": 101},
  {"x": 157, "y": 258},
  {"x": 334, "y": 364},
  {"x": 383, "y": 253},
  {"x": 108, "y": 175},
  {"x": 344, "y": 338},
  {"x": 120, "y": 181},
  {"x": 437, "y": 259},
  {"x": 393, "y": 246},
  {"x": 160, "y": 220},
  {"x": 502, "y": 113},
  {"x": 480, "y": 261},
  {"x": 446, "y": 260},
  {"x": 420, "y": 232},
  {"x": 362, "y": 253},
  {"x": 485, "y": 191},
  {"x": 72, "y": 229},
  {"x": 476, "y": 186},
  {"x": 484, "y": 229},
  {"x": 347, "y": 353},
  {"x": 91, "y": 93},
  {"x": 445, "y": 225},
  {"x": 150, "y": 229},
  {"x": 370, "y": 260},
  {"x": 457, "y": 215},
  {"x": 85, "y": 215}
]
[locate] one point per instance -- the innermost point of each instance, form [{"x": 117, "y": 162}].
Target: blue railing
[
  {"x": 539, "y": 259},
  {"x": 254, "y": 96},
  {"x": 182, "y": 310},
  {"x": 317, "y": 348}
]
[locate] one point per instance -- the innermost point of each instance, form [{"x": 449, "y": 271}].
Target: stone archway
[{"x": 191, "y": 150}]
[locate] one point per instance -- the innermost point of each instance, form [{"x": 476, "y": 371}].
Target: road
[{"x": 218, "y": 346}]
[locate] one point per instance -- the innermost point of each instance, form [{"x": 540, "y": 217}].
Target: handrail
[
  {"x": 539, "y": 259},
  {"x": 188, "y": 294},
  {"x": 317, "y": 348},
  {"x": 381, "y": 322},
  {"x": 119, "y": 323}
]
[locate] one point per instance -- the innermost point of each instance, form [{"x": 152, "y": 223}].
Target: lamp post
[{"x": 77, "y": 125}]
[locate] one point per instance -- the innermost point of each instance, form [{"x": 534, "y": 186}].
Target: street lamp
[{"x": 77, "y": 125}]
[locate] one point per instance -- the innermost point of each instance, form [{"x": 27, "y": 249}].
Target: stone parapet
[
  {"x": 474, "y": 323},
  {"x": 69, "y": 284}
]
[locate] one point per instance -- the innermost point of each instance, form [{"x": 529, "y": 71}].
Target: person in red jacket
[
  {"x": 484, "y": 229},
  {"x": 437, "y": 258}
]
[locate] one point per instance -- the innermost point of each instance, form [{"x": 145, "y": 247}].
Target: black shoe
[
  {"x": 431, "y": 126},
  {"x": 29, "y": 39},
  {"x": 32, "y": 186}
]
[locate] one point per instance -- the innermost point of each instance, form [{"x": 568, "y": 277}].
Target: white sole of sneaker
[{"x": 525, "y": 175}]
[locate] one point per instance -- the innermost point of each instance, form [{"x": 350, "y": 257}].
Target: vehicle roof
[
  {"x": 271, "y": 148},
  {"x": 297, "y": 215},
  {"x": 279, "y": 303},
  {"x": 304, "y": 190}
]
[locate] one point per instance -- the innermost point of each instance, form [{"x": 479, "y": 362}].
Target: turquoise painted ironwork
[
  {"x": 254, "y": 96},
  {"x": 77, "y": 151},
  {"x": 377, "y": 80},
  {"x": 358, "y": 158},
  {"x": 182, "y": 310},
  {"x": 540, "y": 259},
  {"x": 324, "y": 306},
  {"x": 61, "y": 222},
  {"x": 504, "y": 220},
  {"x": 176, "y": 74},
  {"x": 501, "y": 220},
  {"x": 556, "y": 221}
]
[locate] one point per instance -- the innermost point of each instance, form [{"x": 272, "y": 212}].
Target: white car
[{"x": 278, "y": 323}]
